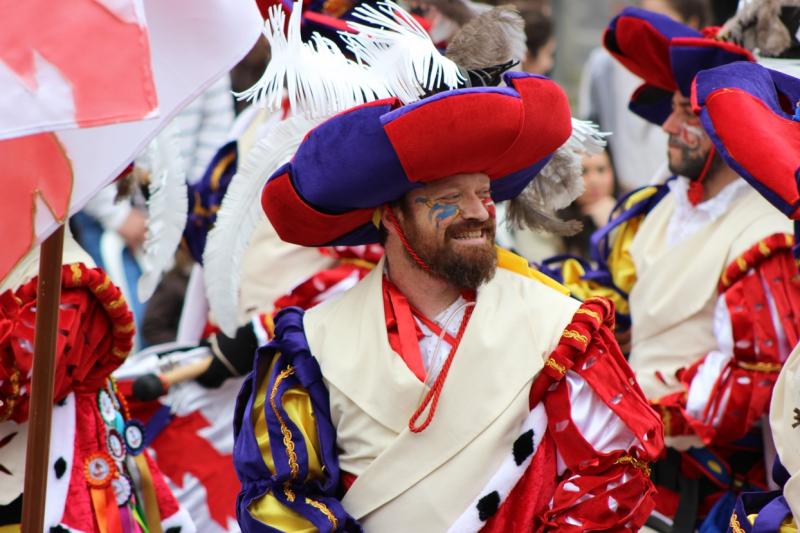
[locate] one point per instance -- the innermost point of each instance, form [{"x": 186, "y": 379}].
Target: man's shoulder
[
  {"x": 534, "y": 298},
  {"x": 765, "y": 220},
  {"x": 517, "y": 270}
]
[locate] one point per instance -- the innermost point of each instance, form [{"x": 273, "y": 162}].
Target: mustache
[{"x": 471, "y": 225}]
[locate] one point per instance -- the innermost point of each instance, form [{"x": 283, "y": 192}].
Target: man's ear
[{"x": 386, "y": 219}]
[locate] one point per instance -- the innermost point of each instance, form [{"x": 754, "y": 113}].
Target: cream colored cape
[
  {"x": 672, "y": 302},
  {"x": 784, "y": 419},
  {"x": 422, "y": 482}
]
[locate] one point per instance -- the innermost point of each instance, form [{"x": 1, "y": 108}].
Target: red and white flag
[{"x": 86, "y": 84}]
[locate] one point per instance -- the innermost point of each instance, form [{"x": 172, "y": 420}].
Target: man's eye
[{"x": 449, "y": 198}]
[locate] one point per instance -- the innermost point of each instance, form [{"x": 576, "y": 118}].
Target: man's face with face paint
[
  {"x": 450, "y": 224},
  {"x": 689, "y": 145}
]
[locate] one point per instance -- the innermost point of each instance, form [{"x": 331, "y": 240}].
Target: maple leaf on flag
[
  {"x": 86, "y": 84},
  {"x": 78, "y": 63}
]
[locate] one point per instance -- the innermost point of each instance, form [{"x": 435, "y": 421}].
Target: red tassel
[{"x": 696, "y": 192}]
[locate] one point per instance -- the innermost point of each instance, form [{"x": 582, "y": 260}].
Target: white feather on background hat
[
  {"x": 167, "y": 207},
  {"x": 239, "y": 214}
]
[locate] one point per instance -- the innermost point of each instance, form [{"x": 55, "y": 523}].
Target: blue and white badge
[{"x": 134, "y": 437}]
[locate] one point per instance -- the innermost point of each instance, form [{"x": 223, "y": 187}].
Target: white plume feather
[
  {"x": 319, "y": 79},
  {"x": 398, "y": 59},
  {"x": 239, "y": 214},
  {"x": 399, "y": 51},
  {"x": 167, "y": 209}
]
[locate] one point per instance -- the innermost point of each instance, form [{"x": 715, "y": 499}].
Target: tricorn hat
[{"x": 667, "y": 55}]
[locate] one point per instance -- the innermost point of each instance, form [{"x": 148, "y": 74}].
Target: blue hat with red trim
[
  {"x": 667, "y": 55},
  {"x": 373, "y": 154},
  {"x": 750, "y": 112}
]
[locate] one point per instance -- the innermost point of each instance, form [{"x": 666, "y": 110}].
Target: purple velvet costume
[{"x": 290, "y": 347}]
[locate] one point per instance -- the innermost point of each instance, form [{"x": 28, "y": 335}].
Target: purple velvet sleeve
[{"x": 314, "y": 499}]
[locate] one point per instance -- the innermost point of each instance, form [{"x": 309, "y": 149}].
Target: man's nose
[
  {"x": 475, "y": 209},
  {"x": 672, "y": 124}
]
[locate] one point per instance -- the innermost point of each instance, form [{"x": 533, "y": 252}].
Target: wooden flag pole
[{"x": 37, "y": 453}]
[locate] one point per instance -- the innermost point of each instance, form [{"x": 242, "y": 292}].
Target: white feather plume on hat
[{"x": 395, "y": 59}]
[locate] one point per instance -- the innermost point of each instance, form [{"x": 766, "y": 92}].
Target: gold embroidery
[
  {"x": 741, "y": 263},
  {"x": 725, "y": 280},
  {"x": 355, "y": 261},
  {"x": 216, "y": 174},
  {"x": 285, "y": 431},
  {"x": 761, "y": 366},
  {"x": 119, "y": 302},
  {"x": 572, "y": 334},
  {"x": 584, "y": 311},
  {"x": 11, "y": 399},
  {"x": 714, "y": 467},
  {"x": 789, "y": 239},
  {"x": 636, "y": 463},
  {"x": 763, "y": 248},
  {"x": 124, "y": 328},
  {"x": 76, "y": 273},
  {"x": 122, "y": 354},
  {"x": 561, "y": 369},
  {"x": 666, "y": 416},
  {"x": 288, "y": 492},
  {"x": 736, "y": 527},
  {"x": 321, "y": 507},
  {"x": 103, "y": 286}
]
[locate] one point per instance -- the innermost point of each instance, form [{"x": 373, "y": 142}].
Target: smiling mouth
[{"x": 476, "y": 234}]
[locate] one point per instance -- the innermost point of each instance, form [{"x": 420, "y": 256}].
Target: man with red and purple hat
[
  {"x": 454, "y": 388},
  {"x": 751, "y": 114},
  {"x": 706, "y": 264}
]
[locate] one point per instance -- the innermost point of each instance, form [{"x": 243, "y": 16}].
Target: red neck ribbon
[{"x": 404, "y": 335}]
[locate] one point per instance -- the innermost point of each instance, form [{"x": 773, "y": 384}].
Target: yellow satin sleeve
[
  {"x": 620, "y": 262},
  {"x": 572, "y": 273},
  {"x": 297, "y": 405},
  {"x": 788, "y": 526}
]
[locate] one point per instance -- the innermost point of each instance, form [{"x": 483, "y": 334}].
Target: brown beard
[
  {"x": 693, "y": 161},
  {"x": 467, "y": 269}
]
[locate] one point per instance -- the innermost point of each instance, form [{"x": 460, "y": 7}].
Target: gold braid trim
[
  {"x": 561, "y": 369},
  {"x": 736, "y": 527},
  {"x": 76, "y": 273},
  {"x": 355, "y": 261},
  {"x": 572, "y": 334},
  {"x": 103, "y": 286},
  {"x": 761, "y": 366},
  {"x": 593, "y": 314},
  {"x": 285, "y": 431},
  {"x": 11, "y": 399},
  {"x": 742, "y": 263},
  {"x": 636, "y": 463},
  {"x": 321, "y": 507},
  {"x": 119, "y": 302},
  {"x": 124, "y": 328},
  {"x": 666, "y": 417}
]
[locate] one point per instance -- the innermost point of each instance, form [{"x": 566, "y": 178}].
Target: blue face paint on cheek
[
  {"x": 438, "y": 211},
  {"x": 444, "y": 211}
]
